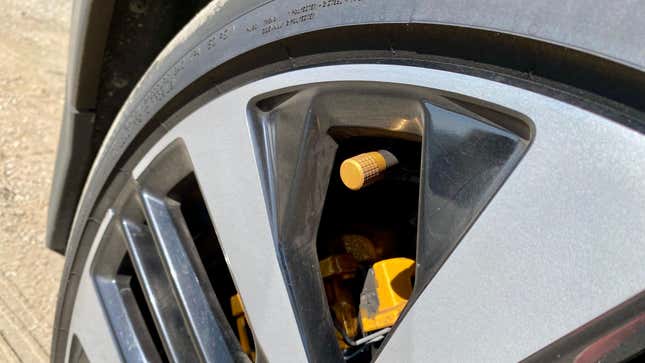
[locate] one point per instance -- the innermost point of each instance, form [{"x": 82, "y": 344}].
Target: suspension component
[
  {"x": 386, "y": 291},
  {"x": 364, "y": 169}
]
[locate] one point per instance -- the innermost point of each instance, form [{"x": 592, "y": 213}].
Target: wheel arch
[{"x": 101, "y": 73}]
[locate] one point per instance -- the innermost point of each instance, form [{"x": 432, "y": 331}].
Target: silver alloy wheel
[{"x": 542, "y": 259}]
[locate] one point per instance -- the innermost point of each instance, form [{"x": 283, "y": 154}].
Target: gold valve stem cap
[{"x": 364, "y": 169}]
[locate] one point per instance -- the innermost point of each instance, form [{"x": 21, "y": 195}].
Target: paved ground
[{"x": 33, "y": 53}]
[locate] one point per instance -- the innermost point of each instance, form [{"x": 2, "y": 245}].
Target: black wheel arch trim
[{"x": 88, "y": 36}]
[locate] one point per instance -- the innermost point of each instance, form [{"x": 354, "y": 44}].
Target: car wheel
[{"x": 217, "y": 198}]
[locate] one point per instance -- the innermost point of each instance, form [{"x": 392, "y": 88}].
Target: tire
[{"x": 186, "y": 77}]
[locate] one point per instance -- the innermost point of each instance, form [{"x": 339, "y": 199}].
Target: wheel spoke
[
  {"x": 155, "y": 282},
  {"x": 120, "y": 302},
  {"x": 91, "y": 327},
  {"x": 89, "y": 324},
  {"x": 189, "y": 283},
  {"x": 545, "y": 256},
  {"x": 465, "y": 160},
  {"x": 226, "y": 169},
  {"x": 297, "y": 158}
]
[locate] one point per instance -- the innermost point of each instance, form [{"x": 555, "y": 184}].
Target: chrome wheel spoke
[
  {"x": 91, "y": 327},
  {"x": 204, "y": 320},
  {"x": 156, "y": 284}
]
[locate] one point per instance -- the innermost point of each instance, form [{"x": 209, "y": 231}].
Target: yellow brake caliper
[
  {"x": 386, "y": 291},
  {"x": 237, "y": 309}
]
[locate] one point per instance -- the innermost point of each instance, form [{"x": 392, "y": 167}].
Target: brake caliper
[
  {"x": 237, "y": 309},
  {"x": 386, "y": 291}
]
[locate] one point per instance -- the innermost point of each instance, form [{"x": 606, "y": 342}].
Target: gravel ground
[{"x": 33, "y": 55}]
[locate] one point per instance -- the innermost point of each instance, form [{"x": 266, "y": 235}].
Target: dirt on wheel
[{"x": 33, "y": 57}]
